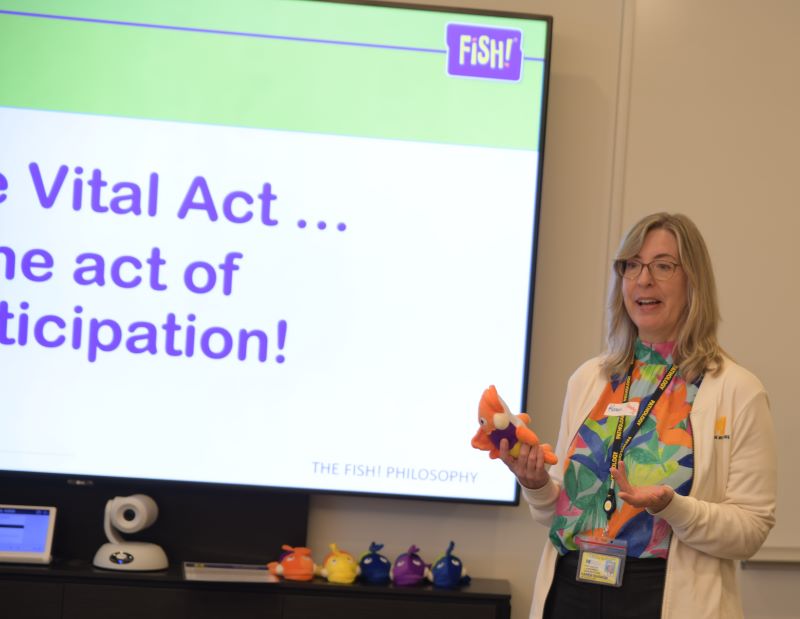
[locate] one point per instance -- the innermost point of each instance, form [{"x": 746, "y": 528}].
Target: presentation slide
[{"x": 271, "y": 243}]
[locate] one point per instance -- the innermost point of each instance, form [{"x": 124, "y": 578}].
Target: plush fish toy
[
  {"x": 497, "y": 422},
  {"x": 448, "y": 572},
  {"x": 339, "y": 566},
  {"x": 294, "y": 564},
  {"x": 408, "y": 569},
  {"x": 375, "y": 567}
]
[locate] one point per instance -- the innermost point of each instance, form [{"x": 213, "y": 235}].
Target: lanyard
[{"x": 618, "y": 447}]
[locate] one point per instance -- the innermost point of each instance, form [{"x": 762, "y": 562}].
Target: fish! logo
[
  {"x": 719, "y": 429},
  {"x": 484, "y": 52}
]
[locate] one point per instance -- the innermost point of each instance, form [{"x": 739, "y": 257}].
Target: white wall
[
  {"x": 713, "y": 131},
  {"x": 677, "y": 105}
]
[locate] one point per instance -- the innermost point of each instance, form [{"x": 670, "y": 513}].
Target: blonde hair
[{"x": 696, "y": 348}]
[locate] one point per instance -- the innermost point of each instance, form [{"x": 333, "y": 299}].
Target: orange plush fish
[
  {"x": 497, "y": 423},
  {"x": 295, "y": 563}
]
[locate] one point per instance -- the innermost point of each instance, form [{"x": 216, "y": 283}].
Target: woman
[{"x": 666, "y": 447}]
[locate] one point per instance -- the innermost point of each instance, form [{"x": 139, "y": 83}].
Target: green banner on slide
[{"x": 296, "y": 65}]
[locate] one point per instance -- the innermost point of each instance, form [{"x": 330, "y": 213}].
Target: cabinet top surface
[{"x": 80, "y": 571}]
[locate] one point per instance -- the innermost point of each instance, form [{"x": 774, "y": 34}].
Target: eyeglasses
[{"x": 660, "y": 270}]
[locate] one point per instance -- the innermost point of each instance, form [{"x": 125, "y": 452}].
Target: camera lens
[{"x": 129, "y": 514}]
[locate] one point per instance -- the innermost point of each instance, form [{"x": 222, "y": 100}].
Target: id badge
[{"x": 601, "y": 561}]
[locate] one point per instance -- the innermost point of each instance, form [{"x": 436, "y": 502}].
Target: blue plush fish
[
  {"x": 374, "y": 566},
  {"x": 448, "y": 572}
]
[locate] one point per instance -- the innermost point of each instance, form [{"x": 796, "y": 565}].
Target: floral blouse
[{"x": 660, "y": 453}]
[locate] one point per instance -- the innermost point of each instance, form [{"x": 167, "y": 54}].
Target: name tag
[
  {"x": 601, "y": 561},
  {"x": 624, "y": 409}
]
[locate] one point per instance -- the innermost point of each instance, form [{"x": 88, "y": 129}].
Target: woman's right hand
[{"x": 528, "y": 466}]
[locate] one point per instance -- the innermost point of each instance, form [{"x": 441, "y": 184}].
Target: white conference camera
[{"x": 129, "y": 514}]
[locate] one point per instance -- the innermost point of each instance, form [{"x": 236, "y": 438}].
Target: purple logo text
[{"x": 480, "y": 51}]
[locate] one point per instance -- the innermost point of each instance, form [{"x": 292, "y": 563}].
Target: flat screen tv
[{"x": 280, "y": 244}]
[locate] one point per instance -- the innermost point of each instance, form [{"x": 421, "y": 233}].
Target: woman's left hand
[{"x": 654, "y": 498}]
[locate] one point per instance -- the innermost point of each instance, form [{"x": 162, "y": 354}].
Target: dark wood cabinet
[
  {"x": 80, "y": 591},
  {"x": 30, "y": 599}
]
